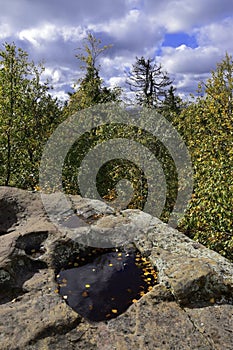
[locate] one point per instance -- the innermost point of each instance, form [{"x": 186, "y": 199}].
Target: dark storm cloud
[{"x": 26, "y": 13}]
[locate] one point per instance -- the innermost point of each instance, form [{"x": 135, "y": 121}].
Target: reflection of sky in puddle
[{"x": 105, "y": 283}]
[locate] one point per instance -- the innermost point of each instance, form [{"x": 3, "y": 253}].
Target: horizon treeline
[{"x": 29, "y": 115}]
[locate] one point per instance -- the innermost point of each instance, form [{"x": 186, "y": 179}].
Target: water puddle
[{"x": 103, "y": 283}]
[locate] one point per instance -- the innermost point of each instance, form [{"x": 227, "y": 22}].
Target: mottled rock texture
[{"x": 191, "y": 307}]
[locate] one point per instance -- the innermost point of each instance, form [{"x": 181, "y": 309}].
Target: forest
[{"x": 29, "y": 115}]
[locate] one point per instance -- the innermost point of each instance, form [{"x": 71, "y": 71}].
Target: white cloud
[
  {"x": 5, "y": 30},
  {"x": 25, "y": 13},
  {"x": 184, "y": 15},
  {"x": 133, "y": 32},
  {"x": 219, "y": 34},
  {"x": 45, "y": 33},
  {"x": 116, "y": 64},
  {"x": 119, "y": 28},
  {"x": 184, "y": 59},
  {"x": 53, "y": 74},
  {"x": 188, "y": 66},
  {"x": 73, "y": 34},
  {"x": 115, "y": 82},
  {"x": 61, "y": 95},
  {"x": 51, "y": 30}
]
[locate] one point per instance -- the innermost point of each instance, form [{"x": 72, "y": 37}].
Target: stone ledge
[{"x": 190, "y": 308}]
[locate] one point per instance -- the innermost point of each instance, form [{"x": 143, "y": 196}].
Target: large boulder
[{"x": 190, "y": 306}]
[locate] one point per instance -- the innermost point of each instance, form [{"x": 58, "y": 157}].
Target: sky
[{"x": 187, "y": 37}]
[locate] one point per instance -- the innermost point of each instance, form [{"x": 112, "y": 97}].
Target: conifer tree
[
  {"x": 91, "y": 89},
  {"x": 149, "y": 82}
]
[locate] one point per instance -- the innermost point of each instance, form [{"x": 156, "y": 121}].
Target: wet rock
[{"x": 190, "y": 307}]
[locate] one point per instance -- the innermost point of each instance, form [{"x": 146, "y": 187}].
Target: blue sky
[
  {"x": 187, "y": 37},
  {"x": 180, "y": 38}
]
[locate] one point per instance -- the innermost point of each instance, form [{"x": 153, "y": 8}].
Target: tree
[
  {"x": 207, "y": 126},
  {"x": 172, "y": 104},
  {"x": 27, "y": 116},
  {"x": 149, "y": 82},
  {"x": 91, "y": 91},
  {"x": 90, "y": 88}
]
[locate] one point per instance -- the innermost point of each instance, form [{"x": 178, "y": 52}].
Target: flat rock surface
[{"x": 190, "y": 307}]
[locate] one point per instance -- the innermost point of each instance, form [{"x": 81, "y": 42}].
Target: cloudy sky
[{"x": 188, "y": 37}]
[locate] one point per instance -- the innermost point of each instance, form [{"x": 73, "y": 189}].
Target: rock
[{"x": 190, "y": 306}]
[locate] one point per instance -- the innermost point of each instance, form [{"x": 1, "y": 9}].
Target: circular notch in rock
[
  {"x": 8, "y": 215},
  {"x": 32, "y": 243},
  {"x": 103, "y": 283}
]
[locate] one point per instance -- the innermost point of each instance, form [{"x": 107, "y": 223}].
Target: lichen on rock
[{"x": 189, "y": 307}]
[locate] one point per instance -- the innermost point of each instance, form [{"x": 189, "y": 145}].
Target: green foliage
[
  {"x": 28, "y": 115},
  {"x": 112, "y": 172},
  {"x": 90, "y": 88},
  {"x": 207, "y": 126},
  {"x": 172, "y": 105}
]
